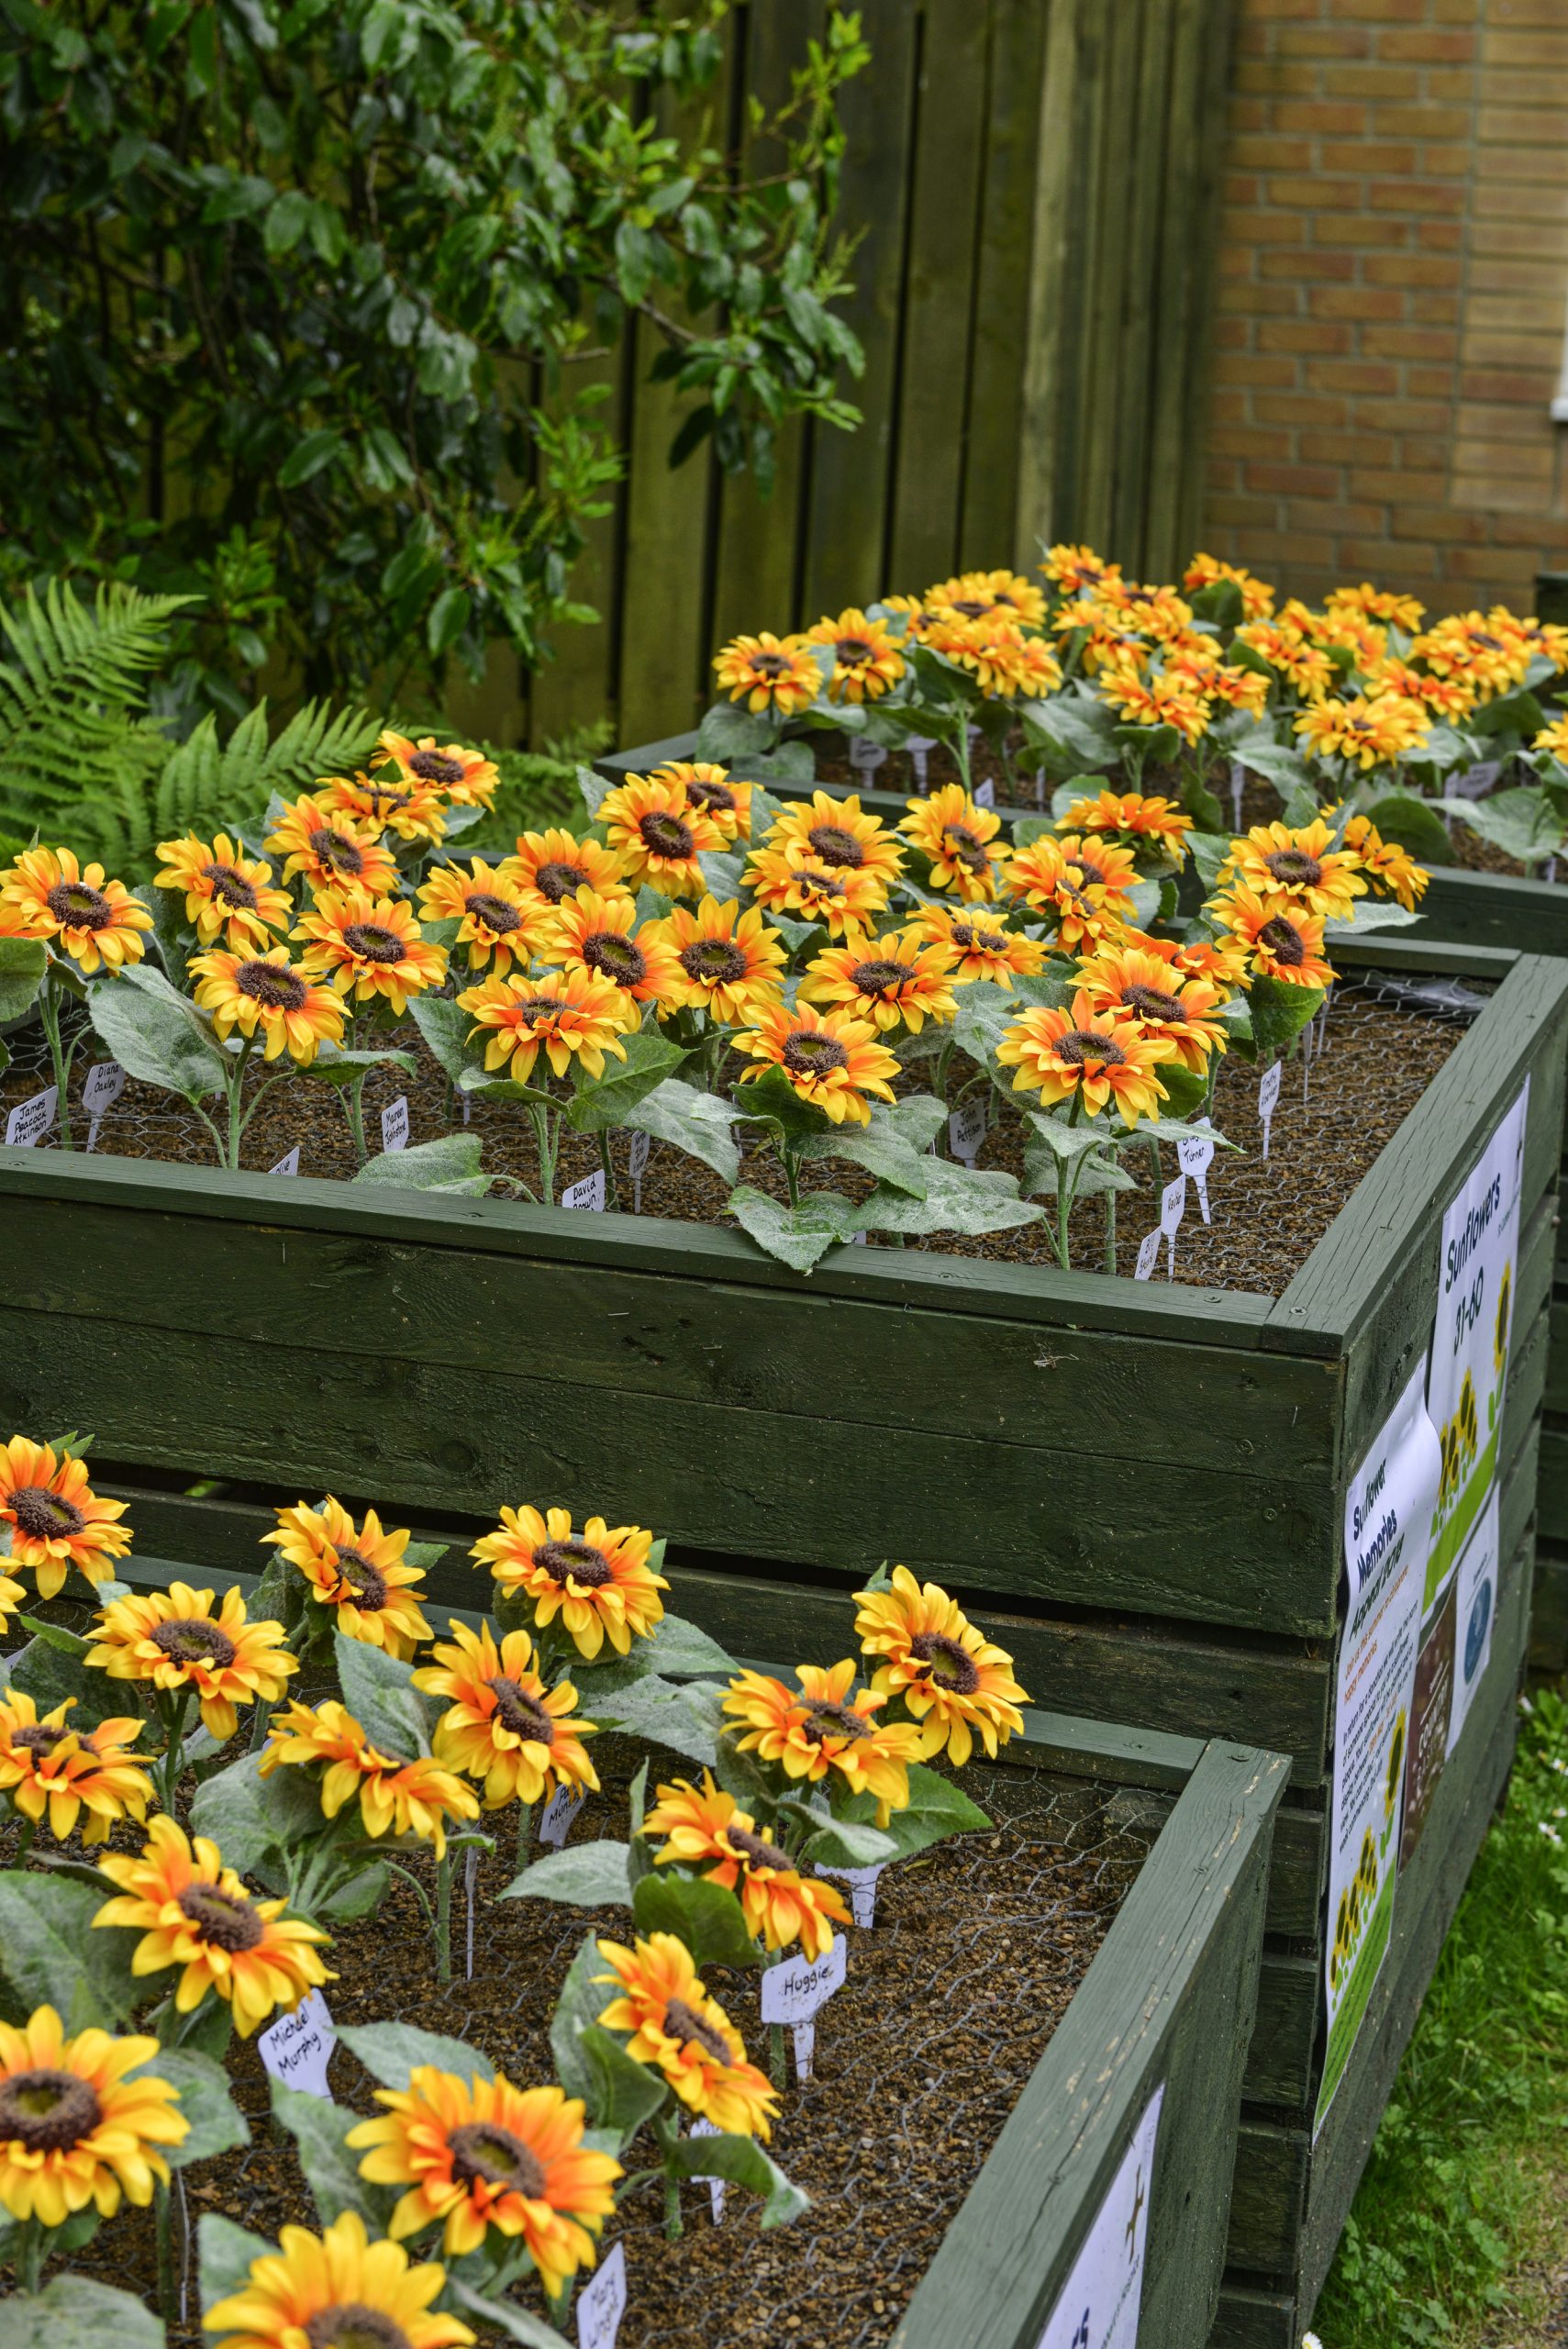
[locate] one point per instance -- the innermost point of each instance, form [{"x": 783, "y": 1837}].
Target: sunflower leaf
[
  {"x": 252, "y": 1820},
  {"x": 935, "y": 1810},
  {"x": 729, "y": 732},
  {"x": 958, "y": 1199},
  {"x": 684, "y": 1648},
  {"x": 681, "y": 1715},
  {"x": 588, "y": 1876},
  {"x": 721, "y": 872},
  {"x": 877, "y": 1147},
  {"x": 217, "y": 2125},
  {"x": 332, "y": 1066},
  {"x": 359, "y": 1895},
  {"x": 224, "y": 2253},
  {"x": 51, "y": 1956},
  {"x": 1379, "y": 913},
  {"x": 693, "y": 1121},
  {"x": 586, "y": 1991},
  {"x": 332, "y": 2170},
  {"x": 378, "y": 1691},
  {"x": 771, "y": 1099},
  {"x": 742, "y": 2161},
  {"x": 797, "y": 1236},
  {"x": 603, "y": 1102},
  {"x": 1280, "y": 1010},
  {"x": 156, "y": 1034},
  {"x": 505, "y": 2317},
  {"x": 706, "y": 1916},
  {"x": 22, "y": 962},
  {"x": 849, "y": 1843},
  {"x": 449, "y": 1163},
  {"x": 391, "y": 2051},
  {"x": 625, "y": 2093},
  {"x": 75, "y": 2313}
]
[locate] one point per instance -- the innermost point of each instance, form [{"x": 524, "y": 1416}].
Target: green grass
[{"x": 1475, "y": 2136}]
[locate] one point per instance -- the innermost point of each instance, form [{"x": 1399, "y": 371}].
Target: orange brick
[
  {"x": 1315, "y": 408},
  {"x": 1350, "y": 375},
  {"x": 1389, "y": 12},
  {"x": 1543, "y": 280},
  {"x": 1345, "y": 121},
  {"x": 1356, "y": 302},
  {"x": 1434, "y": 309},
  {"x": 1401, "y": 415},
  {"x": 1492, "y": 239},
  {"x": 1408, "y": 342},
  {"x": 1318, "y": 193},
  {"x": 1238, "y": 512},
  {"x": 1429, "y": 382},
  {"x": 1541, "y": 125},
  {"x": 1384, "y": 83},
  {"x": 1249, "y": 440},
  {"x": 1257, "y": 301},
  {"x": 1439, "y": 236},
  {"x": 1268, "y": 151},
  {"x": 1348, "y": 448},
  {"x": 1294, "y": 481},
  {"x": 1411, "y": 195},
  {"x": 1453, "y": 161},
  {"x": 1324, "y": 40},
  {"x": 1421, "y": 122},
  {"x": 1366, "y": 155},
  {"x": 1332, "y": 515},
  {"x": 1501, "y": 421},
  {"x": 1242, "y": 227},
  {"x": 1520, "y": 462},
  {"x": 1270, "y": 77},
  {"x": 1304, "y": 335},
  {"x": 1505, "y": 46},
  {"x": 1415, "y": 560},
  {"x": 1410, "y": 269},
  {"x": 1359, "y": 228},
  {"x": 1427, "y": 47},
  {"x": 1305, "y": 265},
  {"x": 1274, "y": 373}
]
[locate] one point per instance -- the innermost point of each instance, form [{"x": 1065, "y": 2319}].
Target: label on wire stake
[
  {"x": 394, "y": 1124},
  {"x": 559, "y": 1813},
  {"x": 299, "y": 2048},
  {"x": 966, "y": 1130},
  {"x": 602, "y": 2303},
  {"x": 794, "y": 1992},
  {"x": 716, "y": 2186},
  {"x": 865, "y": 757},
  {"x": 589, "y": 1194},
  {"x": 1196, "y": 1154},
  {"x": 288, "y": 1163},
  {"x": 1268, "y": 1099},
  {"x": 1172, "y": 1207},
  {"x": 31, "y": 1119},
  {"x": 1237, "y": 782},
  {"x": 985, "y": 793},
  {"x": 862, "y": 1883},
  {"x": 919, "y": 747},
  {"x": 104, "y": 1084},
  {"x": 1148, "y": 1255},
  {"x": 636, "y": 1163}
]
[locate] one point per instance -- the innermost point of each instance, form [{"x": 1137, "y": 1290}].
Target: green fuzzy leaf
[
  {"x": 445, "y": 1027},
  {"x": 879, "y": 1148},
  {"x": 332, "y": 1066},
  {"x": 1515, "y": 713},
  {"x": 681, "y": 1715},
  {"x": 1220, "y": 602},
  {"x": 935, "y": 1810},
  {"x": 1370, "y": 913},
  {"x": 217, "y": 2125},
  {"x": 1063, "y": 1141},
  {"x": 625, "y": 2093},
  {"x": 1184, "y": 1090},
  {"x": 156, "y": 1035},
  {"x": 771, "y": 1098},
  {"x": 849, "y": 1843},
  {"x": 50, "y": 1954},
  {"x": 507, "y": 2317},
  {"x": 603, "y": 1102},
  {"x": 584, "y": 1997},
  {"x": 728, "y": 733},
  {"x": 1414, "y": 824},
  {"x": 958, "y": 1199},
  {"x": 254, "y": 1820},
  {"x": 390, "y": 2052},
  {"x": 742, "y": 2161},
  {"x": 1277, "y": 763},
  {"x": 697, "y": 1122},
  {"x": 704, "y": 1915},
  {"x": 1208, "y": 851},
  {"x": 1279, "y": 1012},
  {"x": 332, "y": 2169},
  {"x": 683, "y": 1648},
  {"x": 798, "y": 1236},
  {"x": 379, "y": 1691},
  {"x": 359, "y": 1895},
  {"x": 22, "y": 965},
  {"x": 449, "y": 1163},
  {"x": 587, "y": 1875},
  {"x": 1522, "y": 822},
  {"x": 224, "y": 2253},
  {"x": 75, "y": 2313},
  {"x": 721, "y": 871}
]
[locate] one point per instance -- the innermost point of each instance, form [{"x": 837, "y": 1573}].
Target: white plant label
[
  {"x": 602, "y": 2304},
  {"x": 985, "y": 793},
  {"x": 865, "y": 757},
  {"x": 966, "y": 1130},
  {"x": 919, "y": 747},
  {"x": 862, "y": 1884},
  {"x": 394, "y": 1124},
  {"x": 636, "y": 1163},
  {"x": 1172, "y": 1207},
  {"x": 288, "y": 1163},
  {"x": 298, "y": 2049},
  {"x": 716, "y": 2186},
  {"x": 559, "y": 1813},
  {"x": 1268, "y": 1099},
  {"x": 1148, "y": 1255},
  {"x": 587, "y": 1195},
  {"x": 1098, "y": 2306},
  {"x": 467, "y": 1108},
  {"x": 104, "y": 1084},
  {"x": 1238, "y": 784},
  {"x": 794, "y": 1991},
  {"x": 31, "y": 1119},
  {"x": 1196, "y": 1154}
]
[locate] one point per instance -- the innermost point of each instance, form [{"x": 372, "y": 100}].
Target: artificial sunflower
[
  {"x": 659, "y": 833},
  {"x": 599, "y": 1581},
  {"x": 790, "y": 881},
  {"x": 48, "y": 895},
  {"x": 708, "y": 1830},
  {"x": 228, "y": 894},
  {"x": 973, "y": 594},
  {"x": 360, "y": 1574},
  {"x": 1387, "y": 866},
  {"x": 395, "y": 1797},
  {"x": 331, "y": 851},
  {"x": 1368, "y": 733},
  {"x": 824, "y": 1727},
  {"x": 176, "y": 1643},
  {"x": 1089, "y": 1057},
  {"x": 553, "y": 865},
  {"x": 955, "y": 837},
  {"x": 685, "y": 2034},
  {"x": 997, "y": 654},
  {"x": 1072, "y": 569},
  {"x": 368, "y": 948},
  {"x": 901, "y": 980},
  {"x": 599, "y": 935},
  {"x": 1143, "y": 990},
  {"x": 1377, "y": 604},
  {"x": 465, "y": 779},
  {"x": 195, "y": 1913},
  {"x": 480, "y": 2153},
  {"x": 837, "y": 833},
  {"x": 1300, "y": 864},
  {"x": 1236, "y": 688},
  {"x": 729, "y": 963},
  {"x": 768, "y": 672},
  {"x": 1207, "y": 571},
  {"x": 1221, "y": 961},
  {"x": 722, "y": 797},
  {"x": 831, "y": 1059},
  {"x": 1083, "y": 884},
  {"x": 49, "y": 1769},
  {"x": 265, "y": 994},
  {"x": 1553, "y": 738},
  {"x": 489, "y": 909},
  {"x": 566, "y": 1015},
  {"x": 1279, "y": 941},
  {"x": 867, "y": 662},
  {"x": 981, "y": 948},
  {"x": 954, "y": 1681},
  {"x": 337, "y": 2290},
  {"x": 1156, "y": 701},
  {"x": 1131, "y": 817},
  {"x": 1294, "y": 658},
  {"x": 504, "y": 1727},
  {"x": 56, "y": 1521},
  {"x": 75, "y": 2127},
  {"x": 394, "y": 802}
]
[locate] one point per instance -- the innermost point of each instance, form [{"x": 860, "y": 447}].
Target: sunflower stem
[
  {"x": 778, "y": 2059},
  {"x": 31, "y": 2243},
  {"x": 48, "y": 1012},
  {"x": 525, "y": 1832},
  {"x": 354, "y": 1107},
  {"x": 547, "y": 1150},
  {"x": 1154, "y": 1162},
  {"x": 163, "y": 2225},
  {"x": 235, "y": 1080},
  {"x": 444, "y": 1918},
  {"x": 607, "y": 1160},
  {"x": 791, "y": 1177},
  {"x": 1111, "y": 1231},
  {"x": 668, "y": 2133},
  {"x": 171, "y": 1764},
  {"x": 25, "y": 1838}
]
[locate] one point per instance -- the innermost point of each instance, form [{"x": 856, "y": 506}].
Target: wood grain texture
[
  {"x": 989, "y": 529},
  {"x": 1250, "y": 2317},
  {"x": 1549, "y": 1617}
]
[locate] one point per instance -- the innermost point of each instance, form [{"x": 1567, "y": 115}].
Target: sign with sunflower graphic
[
  {"x": 1470, "y": 1343},
  {"x": 1097, "y": 2308},
  {"x": 1388, "y": 1514}
]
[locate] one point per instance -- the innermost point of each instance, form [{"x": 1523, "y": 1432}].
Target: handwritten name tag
[
  {"x": 298, "y": 2049},
  {"x": 31, "y": 1119},
  {"x": 602, "y": 2303},
  {"x": 587, "y": 1195},
  {"x": 394, "y": 1124},
  {"x": 559, "y": 1813}
]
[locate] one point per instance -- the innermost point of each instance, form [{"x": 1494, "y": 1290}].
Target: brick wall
[{"x": 1394, "y": 286}]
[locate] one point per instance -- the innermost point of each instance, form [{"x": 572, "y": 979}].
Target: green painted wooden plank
[
  {"x": 1250, "y": 2317},
  {"x": 1279, "y": 2063},
  {"x": 576, "y": 688},
  {"x": 1549, "y": 1614},
  {"x": 1497, "y": 909},
  {"x": 1207, "y": 136},
  {"x": 1173, "y": 2001},
  {"x": 1103, "y": 354},
  {"x": 1076, "y": 422},
  {"x": 1180, "y": 293},
  {"x": 990, "y": 535},
  {"x": 1554, "y": 1484},
  {"x": 1299, "y": 1870},
  {"x": 1048, "y": 341},
  {"x": 1138, "y": 376}
]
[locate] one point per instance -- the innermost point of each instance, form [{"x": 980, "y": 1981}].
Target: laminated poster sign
[
  {"x": 1455, "y": 1646},
  {"x": 1097, "y": 2308},
  {"x": 1388, "y": 1514},
  {"x": 1471, "y": 1341}
]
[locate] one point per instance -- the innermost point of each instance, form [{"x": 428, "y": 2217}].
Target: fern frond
[
  {"x": 63, "y": 656},
  {"x": 318, "y": 741}
]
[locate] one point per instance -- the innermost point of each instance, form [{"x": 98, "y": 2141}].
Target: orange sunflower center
[
  {"x": 270, "y": 986},
  {"x": 880, "y": 979},
  {"x": 493, "y": 912},
  {"x": 1083, "y": 1044},
  {"x": 367, "y": 1581},
  {"x": 485, "y": 2153},
  {"x": 1282, "y": 943},
  {"x": 433, "y": 767},
  {"x": 934, "y": 1648},
  {"x": 1294, "y": 868},
  {"x": 519, "y": 1712},
  {"x": 332, "y": 848},
  {"x": 45, "y": 1514},
  {"x": 188, "y": 1639},
  {"x": 684, "y": 2023},
  {"x": 1149, "y": 1004},
  {"x": 620, "y": 958},
  {"x": 351, "y": 2324},
  {"x": 580, "y": 1560},
  {"x": 811, "y": 1054},
  {"x": 47, "y": 2112},
  {"x": 836, "y": 846},
  {"x": 964, "y": 846},
  {"x": 72, "y": 903},
  {"x": 557, "y": 880},
  {"x": 372, "y": 943},
  {"x": 756, "y": 1848},
  {"x": 225, "y": 1918},
  {"x": 712, "y": 961},
  {"x": 826, "y": 1719},
  {"x": 230, "y": 888},
  {"x": 665, "y": 834}
]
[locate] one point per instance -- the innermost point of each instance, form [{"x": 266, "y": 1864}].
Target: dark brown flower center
[
  {"x": 493, "y": 912},
  {"x": 821, "y": 885},
  {"x": 969, "y": 609},
  {"x": 712, "y": 961},
  {"x": 1493, "y": 643},
  {"x": 810, "y": 1053},
  {"x": 853, "y": 651},
  {"x": 933, "y": 1648},
  {"x": 1081, "y": 1045},
  {"x": 271, "y": 986},
  {"x": 76, "y": 907},
  {"x": 40, "y": 1737},
  {"x": 539, "y": 1009},
  {"x": 755, "y": 1848},
  {"x": 558, "y": 881},
  {"x": 47, "y": 2112},
  {"x": 708, "y": 793},
  {"x": 575, "y": 1559},
  {"x": 1283, "y": 942},
  {"x": 826, "y": 1719},
  {"x": 964, "y": 846},
  {"x": 366, "y": 1581},
  {"x": 372, "y": 943},
  {"x": 620, "y": 958},
  {"x": 770, "y": 664},
  {"x": 684, "y": 2023},
  {"x": 1294, "y": 868},
  {"x": 991, "y": 941},
  {"x": 390, "y": 795},
  {"x": 225, "y": 1919},
  {"x": 1149, "y": 1004},
  {"x": 665, "y": 834},
  {"x": 351, "y": 2324},
  {"x": 331, "y": 848},
  {"x": 434, "y": 766},
  {"x": 484, "y": 2152},
  {"x": 189, "y": 1639},
  {"x": 881, "y": 979},
  {"x": 834, "y": 845},
  {"x": 45, "y": 1516},
  {"x": 521, "y": 1713},
  {"x": 230, "y": 888}
]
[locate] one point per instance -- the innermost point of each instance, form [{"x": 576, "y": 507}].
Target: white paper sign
[
  {"x": 794, "y": 1991},
  {"x": 919, "y": 747},
  {"x": 985, "y": 793},
  {"x": 298, "y": 2049},
  {"x": 559, "y": 1813},
  {"x": 716, "y": 2186},
  {"x": 866, "y": 757},
  {"x": 31, "y": 1119},
  {"x": 102, "y": 1087},
  {"x": 1148, "y": 1255},
  {"x": 1238, "y": 783},
  {"x": 1196, "y": 1154},
  {"x": 636, "y": 1163},
  {"x": 394, "y": 1124},
  {"x": 966, "y": 1130},
  {"x": 1098, "y": 2306},
  {"x": 588, "y": 1195},
  {"x": 1388, "y": 1511},
  {"x": 602, "y": 2304},
  {"x": 1172, "y": 1207},
  {"x": 288, "y": 1163},
  {"x": 1475, "y": 1611},
  {"x": 467, "y": 1108},
  {"x": 862, "y": 1884},
  {"x": 1472, "y": 1340},
  {"x": 1268, "y": 1099}
]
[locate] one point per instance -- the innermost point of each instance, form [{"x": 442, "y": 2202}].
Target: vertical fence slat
[
  {"x": 1179, "y": 289},
  {"x": 1112, "y": 198},
  {"x": 1141, "y": 369},
  {"x": 1086, "y": 232},
  {"x": 577, "y": 687},
  {"x": 1048, "y": 340},
  {"x": 1208, "y": 136}
]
